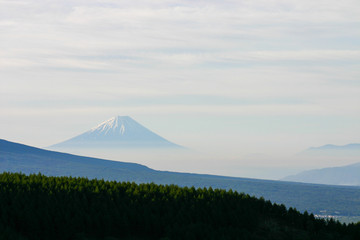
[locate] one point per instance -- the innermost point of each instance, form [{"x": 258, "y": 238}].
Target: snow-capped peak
[
  {"x": 114, "y": 124},
  {"x": 120, "y": 131}
]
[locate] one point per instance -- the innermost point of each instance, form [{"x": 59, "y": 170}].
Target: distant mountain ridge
[
  {"x": 16, "y": 157},
  {"x": 351, "y": 146},
  {"x": 331, "y": 149},
  {"x": 345, "y": 175},
  {"x": 117, "y": 132}
]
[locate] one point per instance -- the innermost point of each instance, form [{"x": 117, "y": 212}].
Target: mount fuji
[{"x": 117, "y": 132}]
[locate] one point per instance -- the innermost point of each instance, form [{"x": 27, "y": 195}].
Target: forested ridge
[{"x": 41, "y": 207}]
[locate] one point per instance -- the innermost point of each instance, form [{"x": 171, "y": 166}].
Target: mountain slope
[
  {"x": 117, "y": 132},
  {"x": 346, "y": 175},
  {"x": 21, "y": 158},
  {"x": 319, "y": 199}
]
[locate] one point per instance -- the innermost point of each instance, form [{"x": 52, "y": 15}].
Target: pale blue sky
[{"x": 231, "y": 78}]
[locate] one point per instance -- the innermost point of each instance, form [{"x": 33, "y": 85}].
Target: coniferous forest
[{"x": 41, "y": 207}]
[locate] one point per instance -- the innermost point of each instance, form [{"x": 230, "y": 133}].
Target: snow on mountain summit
[{"x": 114, "y": 124}]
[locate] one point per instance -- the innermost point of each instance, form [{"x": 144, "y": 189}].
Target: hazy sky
[{"x": 239, "y": 80}]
